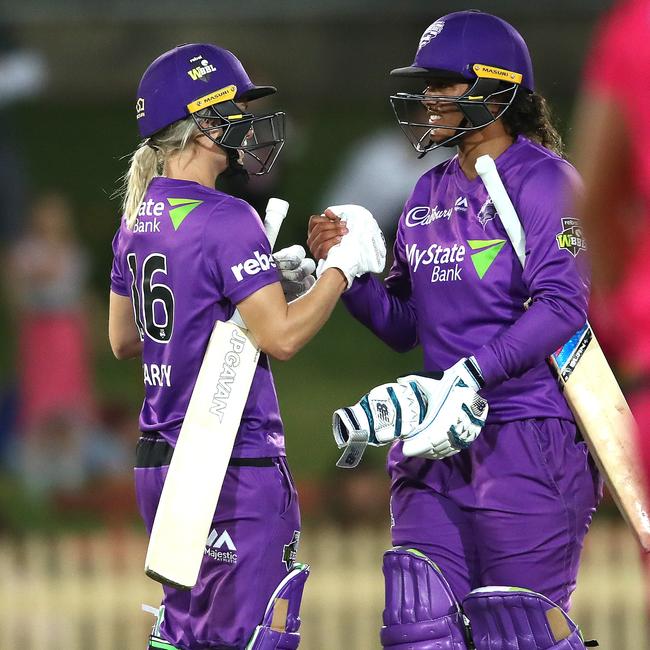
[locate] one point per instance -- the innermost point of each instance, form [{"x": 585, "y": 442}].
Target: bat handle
[{"x": 276, "y": 211}]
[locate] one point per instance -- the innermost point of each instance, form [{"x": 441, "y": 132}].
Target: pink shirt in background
[{"x": 618, "y": 68}]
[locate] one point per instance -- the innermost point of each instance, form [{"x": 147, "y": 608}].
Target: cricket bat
[
  {"x": 590, "y": 388},
  {"x": 205, "y": 442}
]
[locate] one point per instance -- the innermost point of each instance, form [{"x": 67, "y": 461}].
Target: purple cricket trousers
[
  {"x": 251, "y": 547},
  {"x": 512, "y": 509}
]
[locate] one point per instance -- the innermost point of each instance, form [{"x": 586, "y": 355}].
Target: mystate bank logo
[
  {"x": 446, "y": 262},
  {"x": 423, "y": 215}
]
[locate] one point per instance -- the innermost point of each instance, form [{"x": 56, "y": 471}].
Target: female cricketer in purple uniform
[
  {"x": 185, "y": 256},
  {"x": 487, "y": 530}
]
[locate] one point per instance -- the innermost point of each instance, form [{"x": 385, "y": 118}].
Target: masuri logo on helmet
[{"x": 470, "y": 47}]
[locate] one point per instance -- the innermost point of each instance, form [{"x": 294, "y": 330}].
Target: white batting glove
[
  {"x": 362, "y": 250},
  {"x": 296, "y": 271},
  {"x": 378, "y": 418},
  {"x": 455, "y": 412}
]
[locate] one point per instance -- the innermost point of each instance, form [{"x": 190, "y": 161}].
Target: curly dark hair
[{"x": 530, "y": 115}]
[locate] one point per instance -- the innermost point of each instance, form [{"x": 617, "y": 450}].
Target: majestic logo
[
  {"x": 202, "y": 71},
  {"x": 461, "y": 204},
  {"x": 486, "y": 213},
  {"x": 290, "y": 550},
  {"x": 228, "y": 374},
  {"x": 214, "y": 547},
  {"x": 488, "y": 251},
  {"x": 139, "y": 108},
  {"x": 423, "y": 215},
  {"x": 252, "y": 266},
  {"x": 431, "y": 32},
  {"x": 571, "y": 239},
  {"x": 182, "y": 208}
]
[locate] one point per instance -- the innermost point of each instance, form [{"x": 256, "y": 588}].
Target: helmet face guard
[
  {"x": 413, "y": 113},
  {"x": 259, "y": 137}
]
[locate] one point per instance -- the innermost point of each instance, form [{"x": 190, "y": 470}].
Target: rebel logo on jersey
[{"x": 253, "y": 265}]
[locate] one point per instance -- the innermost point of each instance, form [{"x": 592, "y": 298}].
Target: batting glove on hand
[
  {"x": 378, "y": 418},
  {"x": 455, "y": 413},
  {"x": 296, "y": 271},
  {"x": 362, "y": 250}
]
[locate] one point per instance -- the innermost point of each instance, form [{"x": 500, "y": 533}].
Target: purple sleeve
[
  {"x": 555, "y": 274},
  {"x": 237, "y": 251},
  {"x": 119, "y": 283},
  {"x": 387, "y": 309}
]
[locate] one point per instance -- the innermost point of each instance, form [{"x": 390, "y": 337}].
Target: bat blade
[
  {"x": 607, "y": 425},
  {"x": 198, "y": 467},
  {"x": 194, "y": 479}
]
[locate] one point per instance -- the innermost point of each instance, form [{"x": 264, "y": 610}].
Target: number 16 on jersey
[{"x": 198, "y": 467}]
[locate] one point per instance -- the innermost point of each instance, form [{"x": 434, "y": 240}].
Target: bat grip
[{"x": 276, "y": 211}]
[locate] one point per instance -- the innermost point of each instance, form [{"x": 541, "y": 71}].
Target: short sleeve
[
  {"x": 237, "y": 251},
  {"x": 118, "y": 282}
]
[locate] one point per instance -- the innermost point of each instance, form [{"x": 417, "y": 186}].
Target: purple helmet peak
[{"x": 465, "y": 45}]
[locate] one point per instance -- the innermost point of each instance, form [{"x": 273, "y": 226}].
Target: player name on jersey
[{"x": 157, "y": 374}]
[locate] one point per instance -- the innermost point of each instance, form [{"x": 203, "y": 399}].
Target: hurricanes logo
[
  {"x": 487, "y": 253},
  {"x": 431, "y": 32},
  {"x": 570, "y": 238},
  {"x": 290, "y": 550},
  {"x": 202, "y": 71},
  {"x": 486, "y": 213}
]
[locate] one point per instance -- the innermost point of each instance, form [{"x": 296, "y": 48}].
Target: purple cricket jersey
[
  {"x": 193, "y": 254},
  {"x": 457, "y": 287}
]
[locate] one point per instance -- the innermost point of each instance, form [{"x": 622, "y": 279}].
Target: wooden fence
[{"x": 74, "y": 593}]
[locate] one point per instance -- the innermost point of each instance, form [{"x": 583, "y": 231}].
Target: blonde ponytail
[
  {"x": 142, "y": 168},
  {"x": 148, "y": 161}
]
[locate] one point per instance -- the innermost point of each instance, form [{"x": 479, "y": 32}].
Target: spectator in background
[
  {"x": 378, "y": 172},
  {"x": 612, "y": 149},
  {"x": 48, "y": 271}
]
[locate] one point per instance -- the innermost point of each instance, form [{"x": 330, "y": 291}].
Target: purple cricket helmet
[
  {"x": 205, "y": 81},
  {"x": 473, "y": 47}
]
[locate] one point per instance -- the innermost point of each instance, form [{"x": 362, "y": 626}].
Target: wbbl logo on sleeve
[{"x": 571, "y": 239}]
